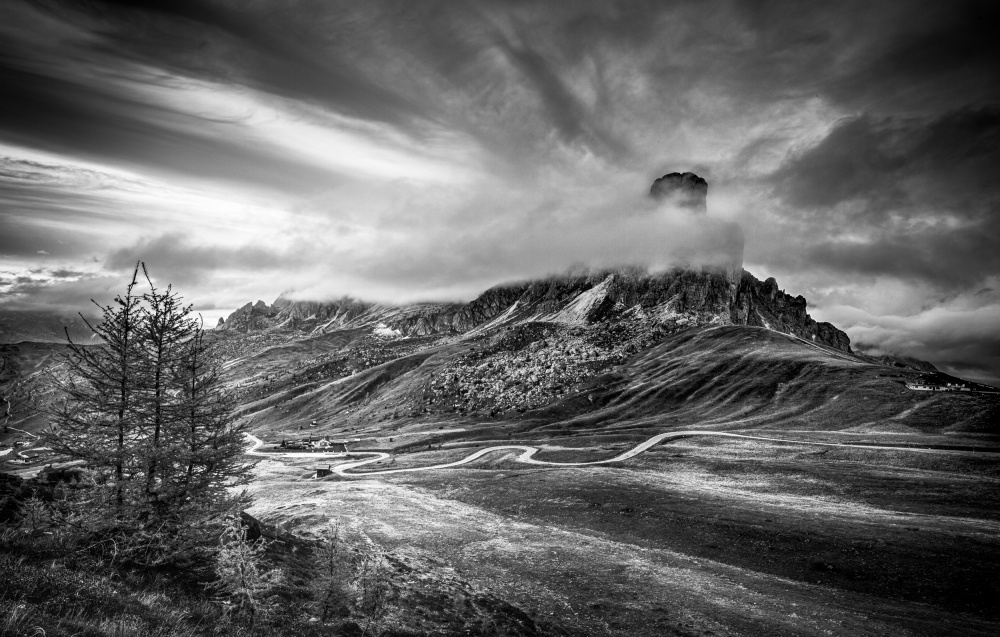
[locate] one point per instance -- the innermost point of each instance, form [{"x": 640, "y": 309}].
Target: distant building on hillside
[
  {"x": 932, "y": 387},
  {"x": 322, "y": 444},
  {"x": 328, "y": 445}
]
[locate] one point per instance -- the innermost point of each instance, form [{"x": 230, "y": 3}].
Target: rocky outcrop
[
  {"x": 679, "y": 297},
  {"x": 764, "y": 305},
  {"x": 336, "y": 313},
  {"x": 685, "y": 190},
  {"x": 251, "y": 317}
]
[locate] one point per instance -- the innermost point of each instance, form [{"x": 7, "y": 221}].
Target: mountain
[
  {"x": 42, "y": 327},
  {"x": 680, "y": 297},
  {"x": 683, "y": 296},
  {"x": 611, "y": 345}
]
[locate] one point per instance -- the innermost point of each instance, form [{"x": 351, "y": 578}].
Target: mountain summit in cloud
[
  {"x": 685, "y": 190},
  {"x": 697, "y": 289}
]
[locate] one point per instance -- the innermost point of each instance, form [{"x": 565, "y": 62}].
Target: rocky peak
[
  {"x": 252, "y": 316},
  {"x": 680, "y": 297},
  {"x": 686, "y": 190},
  {"x": 764, "y": 304}
]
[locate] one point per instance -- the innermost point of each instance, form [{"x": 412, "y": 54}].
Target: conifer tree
[
  {"x": 212, "y": 441},
  {"x": 146, "y": 410},
  {"x": 163, "y": 335},
  {"x": 96, "y": 421}
]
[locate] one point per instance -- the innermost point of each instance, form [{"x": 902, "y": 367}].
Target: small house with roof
[{"x": 330, "y": 445}]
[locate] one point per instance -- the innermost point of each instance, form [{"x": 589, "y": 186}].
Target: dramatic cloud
[
  {"x": 403, "y": 150},
  {"x": 186, "y": 263}
]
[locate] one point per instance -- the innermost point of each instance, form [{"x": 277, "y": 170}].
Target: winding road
[{"x": 527, "y": 453}]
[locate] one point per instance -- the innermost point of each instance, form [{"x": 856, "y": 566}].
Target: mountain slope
[
  {"x": 42, "y": 327},
  {"x": 728, "y": 377}
]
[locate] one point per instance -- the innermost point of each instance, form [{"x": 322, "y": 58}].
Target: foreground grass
[
  {"x": 46, "y": 592},
  {"x": 55, "y": 596},
  {"x": 44, "y": 597}
]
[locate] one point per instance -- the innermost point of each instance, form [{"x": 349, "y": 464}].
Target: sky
[{"x": 416, "y": 150}]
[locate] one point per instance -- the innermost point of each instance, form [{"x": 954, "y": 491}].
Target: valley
[
  {"x": 666, "y": 532},
  {"x": 632, "y": 472}
]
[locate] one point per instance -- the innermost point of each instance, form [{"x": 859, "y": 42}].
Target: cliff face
[
  {"x": 764, "y": 305},
  {"x": 680, "y": 297}
]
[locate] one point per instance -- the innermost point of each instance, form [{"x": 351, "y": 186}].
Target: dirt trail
[{"x": 527, "y": 453}]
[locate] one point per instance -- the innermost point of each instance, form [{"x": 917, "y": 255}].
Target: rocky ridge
[{"x": 680, "y": 297}]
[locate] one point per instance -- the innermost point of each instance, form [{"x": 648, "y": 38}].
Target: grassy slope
[
  {"x": 746, "y": 377},
  {"x": 731, "y": 378}
]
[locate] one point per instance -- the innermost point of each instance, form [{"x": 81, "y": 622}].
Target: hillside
[
  {"x": 42, "y": 327},
  {"x": 803, "y": 536},
  {"x": 568, "y": 382}
]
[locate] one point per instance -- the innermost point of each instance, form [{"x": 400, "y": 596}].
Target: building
[
  {"x": 328, "y": 445},
  {"x": 945, "y": 387}
]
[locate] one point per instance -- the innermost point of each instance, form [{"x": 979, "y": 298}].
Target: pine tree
[
  {"x": 96, "y": 421},
  {"x": 163, "y": 334},
  {"x": 211, "y": 459},
  {"x": 146, "y": 411}
]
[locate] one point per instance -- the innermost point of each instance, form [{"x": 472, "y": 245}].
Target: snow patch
[{"x": 384, "y": 330}]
